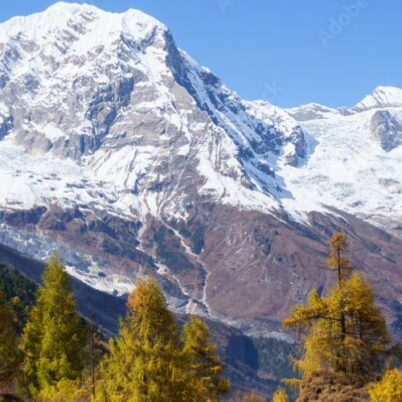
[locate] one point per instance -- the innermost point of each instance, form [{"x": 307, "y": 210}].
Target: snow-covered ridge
[
  {"x": 380, "y": 98},
  {"x": 312, "y": 111},
  {"x": 80, "y": 18}
]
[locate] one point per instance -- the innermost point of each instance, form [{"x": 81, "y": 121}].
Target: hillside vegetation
[{"x": 49, "y": 353}]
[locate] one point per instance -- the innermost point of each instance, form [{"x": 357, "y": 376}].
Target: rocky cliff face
[
  {"x": 126, "y": 156},
  {"x": 386, "y": 129}
]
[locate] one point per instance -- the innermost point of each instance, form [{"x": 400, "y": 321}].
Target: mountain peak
[
  {"x": 133, "y": 15},
  {"x": 382, "y": 96},
  {"x": 311, "y": 111},
  {"x": 66, "y": 6},
  {"x": 78, "y": 19}
]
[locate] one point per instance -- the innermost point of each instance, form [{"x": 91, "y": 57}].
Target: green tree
[
  {"x": 18, "y": 291},
  {"x": 280, "y": 396},
  {"x": 344, "y": 332},
  {"x": 30, "y": 345},
  {"x": 54, "y": 339},
  {"x": 204, "y": 367},
  {"x": 9, "y": 354},
  {"x": 144, "y": 363},
  {"x": 388, "y": 389}
]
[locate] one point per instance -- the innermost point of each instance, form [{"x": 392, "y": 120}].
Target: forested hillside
[
  {"x": 48, "y": 352},
  {"x": 19, "y": 292}
]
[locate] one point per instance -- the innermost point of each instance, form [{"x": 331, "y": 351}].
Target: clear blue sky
[{"x": 287, "y": 51}]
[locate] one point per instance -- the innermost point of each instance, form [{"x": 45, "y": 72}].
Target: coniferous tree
[
  {"x": 280, "y": 396},
  {"x": 344, "y": 332},
  {"x": 338, "y": 260},
  {"x": 388, "y": 389},
  {"x": 144, "y": 363},
  {"x": 355, "y": 348},
  {"x": 9, "y": 354},
  {"x": 30, "y": 348},
  {"x": 205, "y": 369},
  {"x": 95, "y": 355},
  {"x": 54, "y": 339}
]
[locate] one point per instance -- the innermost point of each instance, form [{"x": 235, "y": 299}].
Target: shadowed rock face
[
  {"x": 121, "y": 153},
  {"x": 6, "y": 124},
  {"x": 387, "y": 130}
]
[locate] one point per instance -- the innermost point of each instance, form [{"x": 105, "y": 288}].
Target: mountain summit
[
  {"x": 128, "y": 157},
  {"x": 382, "y": 97}
]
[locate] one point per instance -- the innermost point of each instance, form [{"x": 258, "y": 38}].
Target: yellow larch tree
[
  {"x": 144, "y": 363},
  {"x": 204, "y": 367},
  {"x": 345, "y": 332},
  {"x": 388, "y": 389}
]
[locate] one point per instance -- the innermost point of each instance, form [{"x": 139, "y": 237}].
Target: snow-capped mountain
[
  {"x": 381, "y": 97},
  {"x": 354, "y": 159},
  {"x": 120, "y": 151},
  {"x": 112, "y": 97}
]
